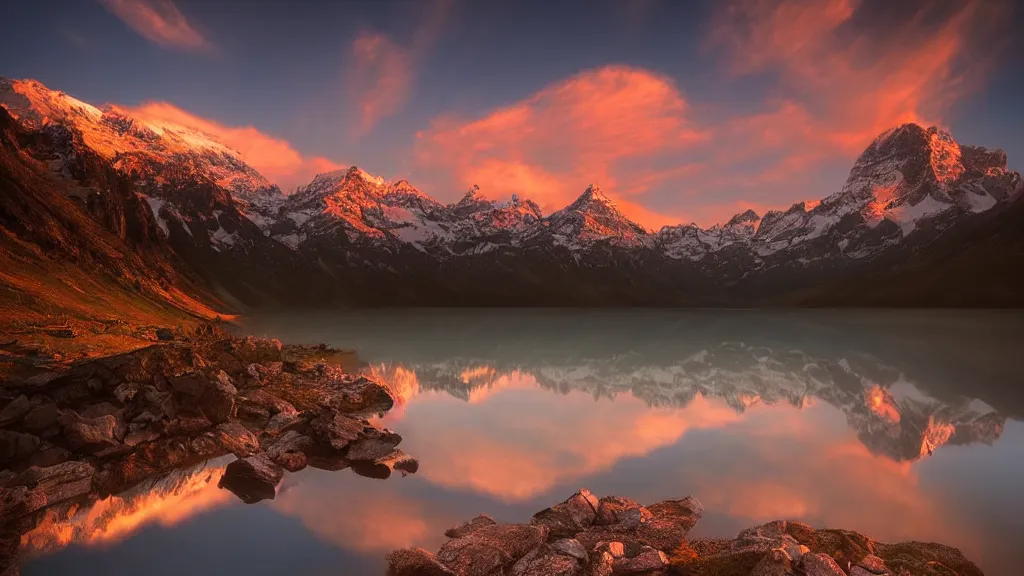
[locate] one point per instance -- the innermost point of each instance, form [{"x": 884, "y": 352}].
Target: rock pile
[
  {"x": 108, "y": 424},
  {"x": 615, "y": 536}
]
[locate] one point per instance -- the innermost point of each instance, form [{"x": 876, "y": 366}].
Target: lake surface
[{"x": 901, "y": 425}]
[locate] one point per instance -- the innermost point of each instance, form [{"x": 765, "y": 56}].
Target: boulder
[
  {"x": 252, "y": 479},
  {"x": 289, "y": 451},
  {"x": 820, "y": 565},
  {"x": 382, "y": 468},
  {"x": 616, "y": 549},
  {"x": 100, "y": 409},
  {"x": 41, "y": 417},
  {"x": 49, "y": 456},
  {"x": 164, "y": 334},
  {"x": 925, "y": 558},
  {"x": 126, "y": 391},
  {"x": 685, "y": 512},
  {"x": 609, "y": 508},
  {"x": 261, "y": 400},
  {"x": 284, "y": 421},
  {"x": 192, "y": 384},
  {"x": 15, "y": 446},
  {"x": 491, "y": 549},
  {"x": 567, "y": 519},
  {"x": 15, "y": 410},
  {"x": 599, "y": 564},
  {"x": 546, "y": 561},
  {"x": 187, "y": 425},
  {"x": 218, "y": 401},
  {"x": 361, "y": 396},
  {"x": 570, "y": 547},
  {"x": 17, "y": 502},
  {"x": 767, "y": 537},
  {"x": 58, "y": 483},
  {"x": 415, "y": 562},
  {"x": 470, "y": 526},
  {"x": 649, "y": 560},
  {"x": 335, "y": 429},
  {"x": 237, "y": 439},
  {"x": 870, "y": 565},
  {"x": 775, "y": 563},
  {"x": 374, "y": 444},
  {"x": 139, "y": 434}
]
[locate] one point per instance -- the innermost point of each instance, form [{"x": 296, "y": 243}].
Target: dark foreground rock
[
  {"x": 615, "y": 536},
  {"x": 106, "y": 425}
]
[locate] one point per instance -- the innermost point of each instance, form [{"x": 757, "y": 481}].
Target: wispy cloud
[
  {"x": 274, "y": 158},
  {"x": 383, "y": 71},
  {"x": 383, "y": 74},
  {"x": 158, "y": 21}
]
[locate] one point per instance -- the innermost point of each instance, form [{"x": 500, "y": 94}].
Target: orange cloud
[
  {"x": 272, "y": 157},
  {"x": 839, "y": 71},
  {"x": 848, "y": 74},
  {"x": 383, "y": 77},
  {"x": 589, "y": 128},
  {"x": 158, "y": 21}
]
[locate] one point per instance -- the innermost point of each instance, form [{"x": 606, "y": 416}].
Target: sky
[{"x": 681, "y": 110}]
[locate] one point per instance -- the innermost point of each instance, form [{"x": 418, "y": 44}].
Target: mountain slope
[
  {"x": 918, "y": 218},
  {"x": 82, "y": 248}
]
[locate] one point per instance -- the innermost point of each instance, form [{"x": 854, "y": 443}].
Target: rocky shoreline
[
  {"x": 587, "y": 536},
  {"x": 71, "y": 437}
]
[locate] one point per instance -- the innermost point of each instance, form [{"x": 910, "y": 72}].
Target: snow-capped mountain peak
[{"x": 593, "y": 217}]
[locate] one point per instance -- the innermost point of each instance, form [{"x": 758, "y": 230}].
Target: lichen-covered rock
[
  {"x": 775, "y": 563},
  {"x": 470, "y": 526},
  {"x": 88, "y": 434},
  {"x": 41, "y": 417},
  {"x": 374, "y": 444},
  {"x": 546, "y": 561},
  {"x": 415, "y": 562},
  {"x": 570, "y": 547},
  {"x": 58, "y": 483},
  {"x": 218, "y": 400},
  {"x": 925, "y": 558},
  {"x": 685, "y": 512},
  {"x": 491, "y": 549},
  {"x": 820, "y": 565},
  {"x": 609, "y": 508},
  {"x": 15, "y": 446},
  {"x": 289, "y": 451},
  {"x": 567, "y": 519},
  {"x": 15, "y": 410},
  {"x": 361, "y": 396},
  {"x": 335, "y": 429},
  {"x": 648, "y": 560},
  {"x": 252, "y": 479},
  {"x": 237, "y": 439},
  {"x": 599, "y": 564}
]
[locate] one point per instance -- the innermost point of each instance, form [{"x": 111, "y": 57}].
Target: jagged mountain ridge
[{"x": 349, "y": 227}]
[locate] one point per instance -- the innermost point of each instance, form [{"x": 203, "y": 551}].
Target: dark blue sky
[{"x": 681, "y": 110}]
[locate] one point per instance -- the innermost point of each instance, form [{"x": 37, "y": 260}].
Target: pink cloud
[
  {"x": 158, "y": 21},
  {"x": 274, "y": 158},
  {"x": 840, "y": 80},
  {"x": 550, "y": 146},
  {"x": 383, "y": 73}
]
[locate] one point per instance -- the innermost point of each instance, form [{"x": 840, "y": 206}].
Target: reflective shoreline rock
[
  {"x": 109, "y": 424},
  {"x": 630, "y": 539}
]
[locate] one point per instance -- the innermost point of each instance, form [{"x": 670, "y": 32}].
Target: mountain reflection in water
[{"x": 901, "y": 425}]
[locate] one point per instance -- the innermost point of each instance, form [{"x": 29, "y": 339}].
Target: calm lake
[{"x": 901, "y": 425}]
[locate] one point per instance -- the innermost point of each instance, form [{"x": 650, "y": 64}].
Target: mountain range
[{"x": 178, "y": 219}]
